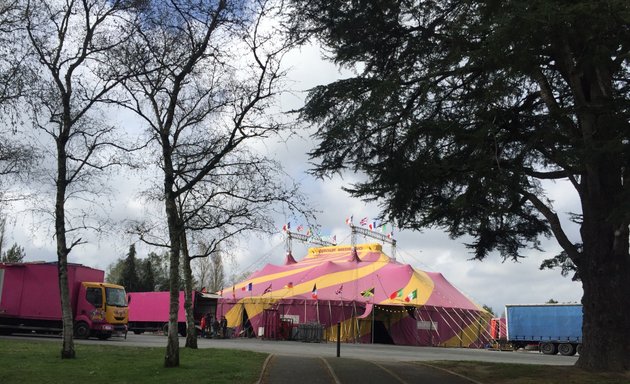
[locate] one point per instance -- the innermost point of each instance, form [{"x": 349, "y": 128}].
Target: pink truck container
[
  {"x": 149, "y": 311},
  {"x": 30, "y": 300}
]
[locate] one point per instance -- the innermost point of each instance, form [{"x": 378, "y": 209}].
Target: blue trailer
[{"x": 553, "y": 327}]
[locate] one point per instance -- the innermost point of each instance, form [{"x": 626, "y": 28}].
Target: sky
[{"x": 492, "y": 282}]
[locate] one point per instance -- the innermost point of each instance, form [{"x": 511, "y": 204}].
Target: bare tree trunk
[
  {"x": 191, "y": 331},
  {"x": 67, "y": 350},
  {"x": 174, "y": 230}
]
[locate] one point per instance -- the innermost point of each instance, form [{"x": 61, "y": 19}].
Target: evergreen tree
[
  {"x": 15, "y": 254},
  {"x": 129, "y": 275},
  {"x": 461, "y": 112},
  {"x": 147, "y": 277},
  {"x": 114, "y": 272}
]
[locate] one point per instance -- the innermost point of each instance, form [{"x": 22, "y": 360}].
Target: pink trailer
[{"x": 149, "y": 311}]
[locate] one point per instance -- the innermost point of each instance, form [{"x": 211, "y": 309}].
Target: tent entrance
[
  {"x": 381, "y": 334},
  {"x": 248, "y": 330}
]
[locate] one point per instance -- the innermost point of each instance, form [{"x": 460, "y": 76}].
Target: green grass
[
  {"x": 37, "y": 361},
  {"x": 498, "y": 373}
]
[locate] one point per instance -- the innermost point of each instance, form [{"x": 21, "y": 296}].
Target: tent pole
[
  {"x": 330, "y": 320},
  {"x": 356, "y": 321},
  {"x": 373, "y": 310}
]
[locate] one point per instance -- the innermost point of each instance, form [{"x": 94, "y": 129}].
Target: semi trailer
[
  {"x": 149, "y": 311},
  {"x": 552, "y": 327}
]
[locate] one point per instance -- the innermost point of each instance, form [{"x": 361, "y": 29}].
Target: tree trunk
[
  {"x": 67, "y": 349},
  {"x": 604, "y": 271},
  {"x": 174, "y": 229},
  {"x": 604, "y": 266},
  {"x": 191, "y": 331},
  {"x": 606, "y": 324}
]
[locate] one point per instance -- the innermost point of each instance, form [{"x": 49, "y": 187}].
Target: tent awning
[{"x": 368, "y": 310}]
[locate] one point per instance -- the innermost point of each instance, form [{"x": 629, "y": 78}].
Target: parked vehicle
[
  {"x": 553, "y": 327},
  {"x": 30, "y": 300},
  {"x": 149, "y": 311}
]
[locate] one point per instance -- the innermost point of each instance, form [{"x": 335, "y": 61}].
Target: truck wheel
[
  {"x": 549, "y": 348},
  {"x": 165, "y": 329},
  {"x": 81, "y": 331},
  {"x": 566, "y": 349},
  {"x": 579, "y": 349}
]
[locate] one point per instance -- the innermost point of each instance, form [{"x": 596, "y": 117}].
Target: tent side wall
[{"x": 400, "y": 325}]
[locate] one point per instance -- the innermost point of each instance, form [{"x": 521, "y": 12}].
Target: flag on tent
[
  {"x": 308, "y": 232},
  {"x": 349, "y": 220},
  {"x": 267, "y": 290},
  {"x": 412, "y": 295},
  {"x": 250, "y": 286},
  {"x": 372, "y": 226},
  {"x": 396, "y": 294},
  {"x": 300, "y": 228},
  {"x": 384, "y": 228},
  {"x": 368, "y": 292},
  {"x": 314, "y": 292},
  {"x": 339, "y": 291},
  {"x": 233, "y": 292},
  {"x": 363, "y": 221},
  {"x": 334, "y": 239}
]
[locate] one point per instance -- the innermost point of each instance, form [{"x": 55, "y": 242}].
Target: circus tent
[{"x": 374, "y": 299}]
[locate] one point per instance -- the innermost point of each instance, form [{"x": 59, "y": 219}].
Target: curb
[{"x": 264, "y": 369}]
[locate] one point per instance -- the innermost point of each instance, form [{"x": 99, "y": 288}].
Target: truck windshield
[{"x": 116, "y": 297}]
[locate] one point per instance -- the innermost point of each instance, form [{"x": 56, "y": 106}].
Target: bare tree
[
  {"x": 209, "y": 71},
  {"x": 68, "y": 40},
  {"x": 208, "y": 271}
]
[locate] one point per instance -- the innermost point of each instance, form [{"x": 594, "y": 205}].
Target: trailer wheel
[
  {"x": 165, "y": 329},
  {"x": 579, "y": 349},
  {"x": 566, "y": 349},
  {"x": 81, "y": 330},
  {"x": 549, "y": 348}
]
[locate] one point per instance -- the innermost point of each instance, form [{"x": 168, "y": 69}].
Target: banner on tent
[
  {"x": 294, "y": 319},
  {"x": 426, "y": 325}
]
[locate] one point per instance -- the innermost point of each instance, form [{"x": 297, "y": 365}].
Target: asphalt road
[{"x": 371, "y": 352}]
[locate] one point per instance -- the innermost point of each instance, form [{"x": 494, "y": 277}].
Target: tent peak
[
  {"x": 355, "y": 255},
  {"x": 289, "y": 259}
]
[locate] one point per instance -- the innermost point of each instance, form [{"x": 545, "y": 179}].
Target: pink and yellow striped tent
[{"x": 373, "y": 298}]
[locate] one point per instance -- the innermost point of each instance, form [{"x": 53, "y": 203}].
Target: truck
[
  {"x": 149, "y": 311},
  {"x": 552, "y": 327},
  {"x": 30, "y": 300}
]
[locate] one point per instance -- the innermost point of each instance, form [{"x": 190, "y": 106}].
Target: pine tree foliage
[{"x": 461, "y": 112}]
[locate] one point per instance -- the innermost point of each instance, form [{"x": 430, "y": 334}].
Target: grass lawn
[
  {"x": 496, "y": 373},
  {"x": 39, "y": 362}
]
